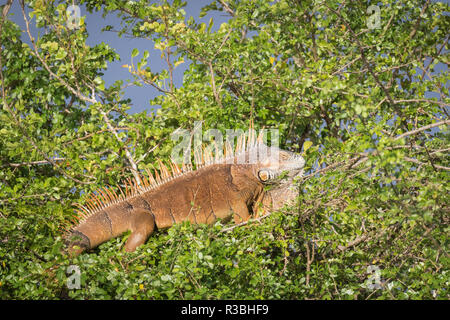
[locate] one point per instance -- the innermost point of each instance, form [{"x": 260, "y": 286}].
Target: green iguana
[{"x": 231, "y": 186}]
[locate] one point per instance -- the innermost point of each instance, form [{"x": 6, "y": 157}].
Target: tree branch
[
  {"x": 213, "y": 83},
  {"x": 437, "y": 124}
]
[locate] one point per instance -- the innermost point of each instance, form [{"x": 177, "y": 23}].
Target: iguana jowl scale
[{"x": 232, "y": 186}]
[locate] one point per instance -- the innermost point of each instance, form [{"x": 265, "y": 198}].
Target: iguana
[{"x": 231, "y": 186}]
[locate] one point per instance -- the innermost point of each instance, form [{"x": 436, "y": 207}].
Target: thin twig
[
  {"x": 437, "y": 124},
  {"x": 246, "y": 222}
]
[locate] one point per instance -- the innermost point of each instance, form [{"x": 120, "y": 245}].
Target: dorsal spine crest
[{"x": 107, "y": 196}]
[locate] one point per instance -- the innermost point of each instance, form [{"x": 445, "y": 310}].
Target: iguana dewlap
[{"x": 219, "y": 189}]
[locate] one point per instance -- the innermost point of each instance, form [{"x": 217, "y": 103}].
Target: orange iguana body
[{"x": 218, "y": 189}]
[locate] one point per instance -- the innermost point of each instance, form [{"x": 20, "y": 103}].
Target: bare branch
[
  {"x": 213, "y": 83},
  {"x": 82, "y": 97},
  {"x": 46, "y": 66},
  {"x": 435, "y": 166},
  {"x": 437, "y": 124},
  {"x": 246, "y": 222},
  {"x": 226, "y": 7},
  {"x": 130, "y": 159}
]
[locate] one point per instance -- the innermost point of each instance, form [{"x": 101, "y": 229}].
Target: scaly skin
[
  {"x": 277, "y": 197},
  {"x": 215, "y": 191}
]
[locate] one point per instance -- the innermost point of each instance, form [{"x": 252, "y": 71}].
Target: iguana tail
[{"x": 100, "y": 224}]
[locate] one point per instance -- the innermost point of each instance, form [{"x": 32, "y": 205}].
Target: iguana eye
[{"x": 264, "y": 175}]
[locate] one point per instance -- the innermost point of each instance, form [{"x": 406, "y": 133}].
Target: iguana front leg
[
  {"x": 240, "y": 212},
  {"x": 262, "y": 204},
  {"x": 274, "y": 199},
  {"x": 142, "y": 227}
]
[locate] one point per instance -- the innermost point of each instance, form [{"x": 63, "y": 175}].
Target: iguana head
[
  {"x": 272, "y": 164},
  {"x": 279, "y": 163}
]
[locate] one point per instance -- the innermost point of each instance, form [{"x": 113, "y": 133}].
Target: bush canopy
[{"x": 360, "y": 88}]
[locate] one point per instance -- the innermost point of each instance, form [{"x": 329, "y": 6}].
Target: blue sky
[{"x": 140, "y": 96}]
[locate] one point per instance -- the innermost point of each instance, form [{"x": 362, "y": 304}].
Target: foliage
[{"x": 371, "y": 101}]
